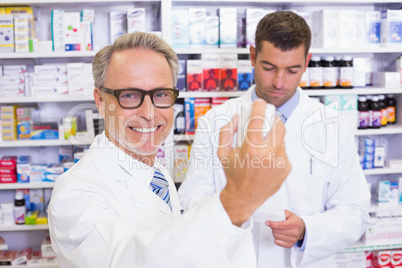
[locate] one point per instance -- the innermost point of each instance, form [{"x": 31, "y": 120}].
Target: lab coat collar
[{"x": 133, "y": 173}]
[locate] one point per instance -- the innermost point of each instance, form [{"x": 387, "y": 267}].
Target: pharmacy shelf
[
  {"x": 388, "y": 130},
  {"x": 32, "y": 185},
  {"x": 289, "y": 1},
  {"x": 38, "y": 143},
  {"x": 354, "y": 91},
  {"x": 51, "y": 54},
  {"x": 182, "y": 137},
  {"x": 31, "y": 2},
  {"x": 382, "y": 171},
  {"x": 312, "y": 50},
  {"x": 23, "y": 227},
  {"x": 376, "y": 208},
  {"x": 362, "y": 247},
  {"x": 210, "y": 94},
  {"x": 55, "y": 98},
  {"x": 32, "y": 266}
]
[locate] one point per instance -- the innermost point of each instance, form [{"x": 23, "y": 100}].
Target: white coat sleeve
[
  {"x": 86, "y": 232},
  {"x": 200, "y": 181},
  {"x": 346, "y": 202}
]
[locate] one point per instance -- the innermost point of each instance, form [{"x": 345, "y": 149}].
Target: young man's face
[
  {"x": 277, "y": 73},
  {"x": 142, "y": 130}
]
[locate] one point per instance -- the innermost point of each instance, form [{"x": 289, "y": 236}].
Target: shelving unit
[
  {"x": 41, "y": 143},
  {"x": 33, "y": 185},
  {"x": 166, "y": 27},
  {"x": 362, "y": 247},
  {"x": 23, "y": 227}
]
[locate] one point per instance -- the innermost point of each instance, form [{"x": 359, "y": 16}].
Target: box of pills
[
  {"x": 373, "y": 28},
  {"x": 136, "y": 20},
  {"x": 212, "y": 31},
  {"x": 391, "y": 28},
  {"x": 210, "y": 71},
  {"x": 253, "y": 16},
  {"x": 326, "y": 29},
  {"x": 117, "y": 24},
  {"x": 227, "y": 27},
  {"x": 6, "y": 33},
  {"x": 194, "y": 75},
  {"x": 197, "y": 27},
  {"x": 180, "y": 31}
]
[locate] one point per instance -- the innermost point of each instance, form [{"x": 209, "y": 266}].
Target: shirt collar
[
  {"x": 137, "y": 169},
  {"x": 287, "y": 108}
]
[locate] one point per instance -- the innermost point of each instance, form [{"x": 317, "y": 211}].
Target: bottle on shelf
[
  {"x": 363, "y": 111},
  {"x": 346, "y": 72},
  {"x": 391, "y": 108},
  {"x": 19, "y": 208},
  {"x": 384, "y": 113},
  {"x": 375, "y": 113},
  {"x": 329, "y": 72},
  {"x": 337, "y": 63},
  {"x": 315, "y": 74}
]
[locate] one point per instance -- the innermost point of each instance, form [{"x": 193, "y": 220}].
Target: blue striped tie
[
  {"x": 281, "y": 116},
  {"x": 160, "y": 187}
]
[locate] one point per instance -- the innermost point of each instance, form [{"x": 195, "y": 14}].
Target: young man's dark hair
[{"x": 285, "y": 30}]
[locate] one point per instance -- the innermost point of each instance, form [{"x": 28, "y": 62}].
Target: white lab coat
[
  {"x": 103, "y": 214},
  {"x": 326, "y": 186}
]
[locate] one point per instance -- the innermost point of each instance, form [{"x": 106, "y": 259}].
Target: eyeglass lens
[{"x": 161, "y": 98}]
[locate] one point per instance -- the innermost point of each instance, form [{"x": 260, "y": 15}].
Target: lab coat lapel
[{"x": 138, "y": 191}]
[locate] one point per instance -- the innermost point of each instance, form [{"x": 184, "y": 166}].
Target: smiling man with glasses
[{"x": 118, "y": 208}]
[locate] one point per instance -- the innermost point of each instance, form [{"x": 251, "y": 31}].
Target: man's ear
[
  {"x": 252, "y": 55},
  {"x": 100, "y": 102},
  {"x": 307, "y": 60}
]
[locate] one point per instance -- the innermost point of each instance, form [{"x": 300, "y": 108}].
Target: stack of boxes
[
  {"x": 130, "y": 21},
  {"x": 13, "y": 80},
  {"x": 371, "y": 156},
  {"x": 24, "y": 122},
  {"x": 9, "y": 123},
  {"x": 8, "y": 169}
]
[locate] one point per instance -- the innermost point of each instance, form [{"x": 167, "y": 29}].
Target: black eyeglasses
[{"x": 131, "y": 98}]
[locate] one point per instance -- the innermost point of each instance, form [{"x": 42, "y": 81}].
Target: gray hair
[{"x": 143, "y": 40}]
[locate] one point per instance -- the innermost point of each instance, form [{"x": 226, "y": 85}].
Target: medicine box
[
  {"x": 212, "y": 32},
  {"x": 180, "y": 31},
  {"x": 51, "y": 69},
  {"x": 347, "y": 28},
  {"x": 197, "y": 23},
  {"x": 391, "y": 28},
  {"x": 227, "y": 27},
  {"x": 24, "y": 130},
  {"x": 244, "y": 70},
  {"x": 373, "y": 28},
  {"x": 37, "y": 174},
  {"x": 23, "y": 169},
  {"x": 387, "y": 79},
  {"x": 72, "y": 31},
  {"x": 181, "y": 76},
  {"x": 45, "y": 131},
  {"x": 326, "y": 29},
  {"x": 6, "y": 33},
  {"x": 117, "y": 24},
  {"x": 181, "y": 156},
  {"x": 194, "y": 75},
  {"x": 253, "y": 16},
  {"x": 210, "y": 72},
  {"x": 36, "y": 199},
  {"x": 136, "y": 20},
  {"x": 228, "y": 72}
]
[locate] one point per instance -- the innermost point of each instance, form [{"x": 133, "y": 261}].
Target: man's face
[
  {"x": 142, "y": 130},
  {"x": 277, "y": 73}
]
